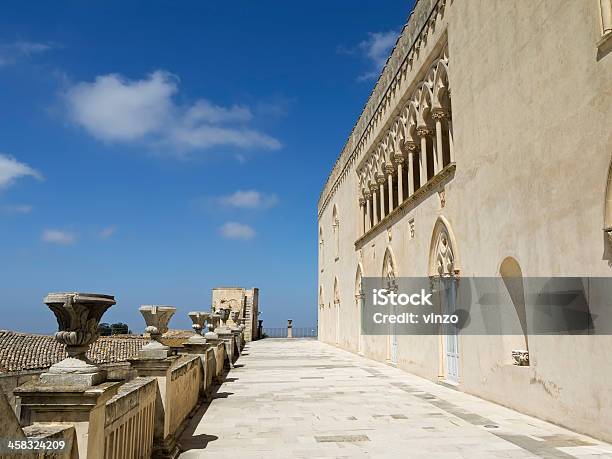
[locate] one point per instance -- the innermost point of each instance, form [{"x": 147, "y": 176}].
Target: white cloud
[
  {"x": 375, "y": 49},
  {"x": 233, "y": 230},
  {"x": 249, "y": 199},
  {"x": 11, "y": 170},
  {"x": 55, "y": 236},
  {"x": 16, "y": 209},
  {"x": 10, "y": 53},
  {"x": 115, "y": 109},
  {"x": 108, "y": 232}
]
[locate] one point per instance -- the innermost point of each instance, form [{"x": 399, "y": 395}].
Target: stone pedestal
[
  {"x": 84, "y": 407},
  {"x": 222, "y": 361},
  {"x": 198, "y": 345},
  {"x": 237, "y": 340},
  {"x": 227, "y": 337}
]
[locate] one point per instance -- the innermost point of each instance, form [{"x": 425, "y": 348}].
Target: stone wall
[
  {"x": 183, "y": 390},
  {"x": 531, "y": 110}
]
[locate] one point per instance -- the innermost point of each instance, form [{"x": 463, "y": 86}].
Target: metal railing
[{"x": 298, "y": 332}]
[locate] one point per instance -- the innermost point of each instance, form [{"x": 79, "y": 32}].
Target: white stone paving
[{"x": 306, "y": 399}]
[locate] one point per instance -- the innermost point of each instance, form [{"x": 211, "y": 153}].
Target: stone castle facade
[{"x": 484, "y": 150}]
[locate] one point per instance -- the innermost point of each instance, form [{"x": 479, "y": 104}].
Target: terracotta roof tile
[{"x": 26, "y": 351}]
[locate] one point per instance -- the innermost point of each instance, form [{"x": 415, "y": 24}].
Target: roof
[{"x": 26, "y": 351}]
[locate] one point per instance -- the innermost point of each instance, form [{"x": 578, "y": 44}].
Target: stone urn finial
[
  {"x": 157, "y": 319},
  {"x": 213, "y": 323},
  {"x": 242, "y": 323},
  {"x": 215, "y": 319},
  {"x": 224, "y": 314},
  {"x": 78, "y": 316},
  {"x": 235, "y": 315},
  {"x": 199, "y": 320}
]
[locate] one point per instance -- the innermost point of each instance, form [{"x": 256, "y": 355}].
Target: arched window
[
  {"x": 336, "y": 226},
  {"x": 516, "y": 347},
  {"x": 388, "y": 271},
  {"x": 444, "y": 273}
]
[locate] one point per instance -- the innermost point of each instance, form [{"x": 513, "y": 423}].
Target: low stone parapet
[{"x": 130, "y": 420}]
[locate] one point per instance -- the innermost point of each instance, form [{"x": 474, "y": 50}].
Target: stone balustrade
[
  {"x": 130, "y": 420},
  {"x": 142, "y": 411}
]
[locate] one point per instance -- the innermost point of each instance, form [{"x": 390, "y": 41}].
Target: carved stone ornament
[
  {"x": 521, "y": 357},
  {"x": 422, "y": 131},
  {"x": 411, "y": 228},
  {"x": 156, "y": 318},
  {"x": 235, "y": 315},
  {"x": 442, "y": 195},
  {"x": 78, "y": 316},
  {"x": 445, "y": 258},
  {"x": 199, "y": 320},
  {"x": 215, "y": 319},
  {"x": 438, "y": 114},
  {"x": 224, "y": 314}
]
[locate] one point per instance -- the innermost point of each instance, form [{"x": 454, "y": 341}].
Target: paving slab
[{"x": 305, "y": 399}]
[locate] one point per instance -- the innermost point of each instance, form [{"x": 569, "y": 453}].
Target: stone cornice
[{"x": 384, "y": 97}]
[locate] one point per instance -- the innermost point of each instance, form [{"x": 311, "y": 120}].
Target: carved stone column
[
  {"x": 362, "y": 216},
  {"x": 438, "y": 116},
  {"x": 156, "y": 318},
  {"x": 411, "y": 147},
  {"x": 78, "y": 316},
  {"x": 399, "y": 161},
  {"x": 374, "y": 190},
  {"x": 368, "y": 222},
  {"x": 606, "y": 16},
  {"x": 389, "y": 169},
  {"x": 423, "y": 132},
  {"x": 380, "y": 179}
]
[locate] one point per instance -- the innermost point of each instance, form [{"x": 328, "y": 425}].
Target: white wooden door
[{"x": 451, "y": 336}]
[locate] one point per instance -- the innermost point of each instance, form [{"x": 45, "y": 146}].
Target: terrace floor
[{"x": 305, "y": 399}]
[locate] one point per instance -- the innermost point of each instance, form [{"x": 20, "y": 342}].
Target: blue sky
[{"x": 156, "y": 150}]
